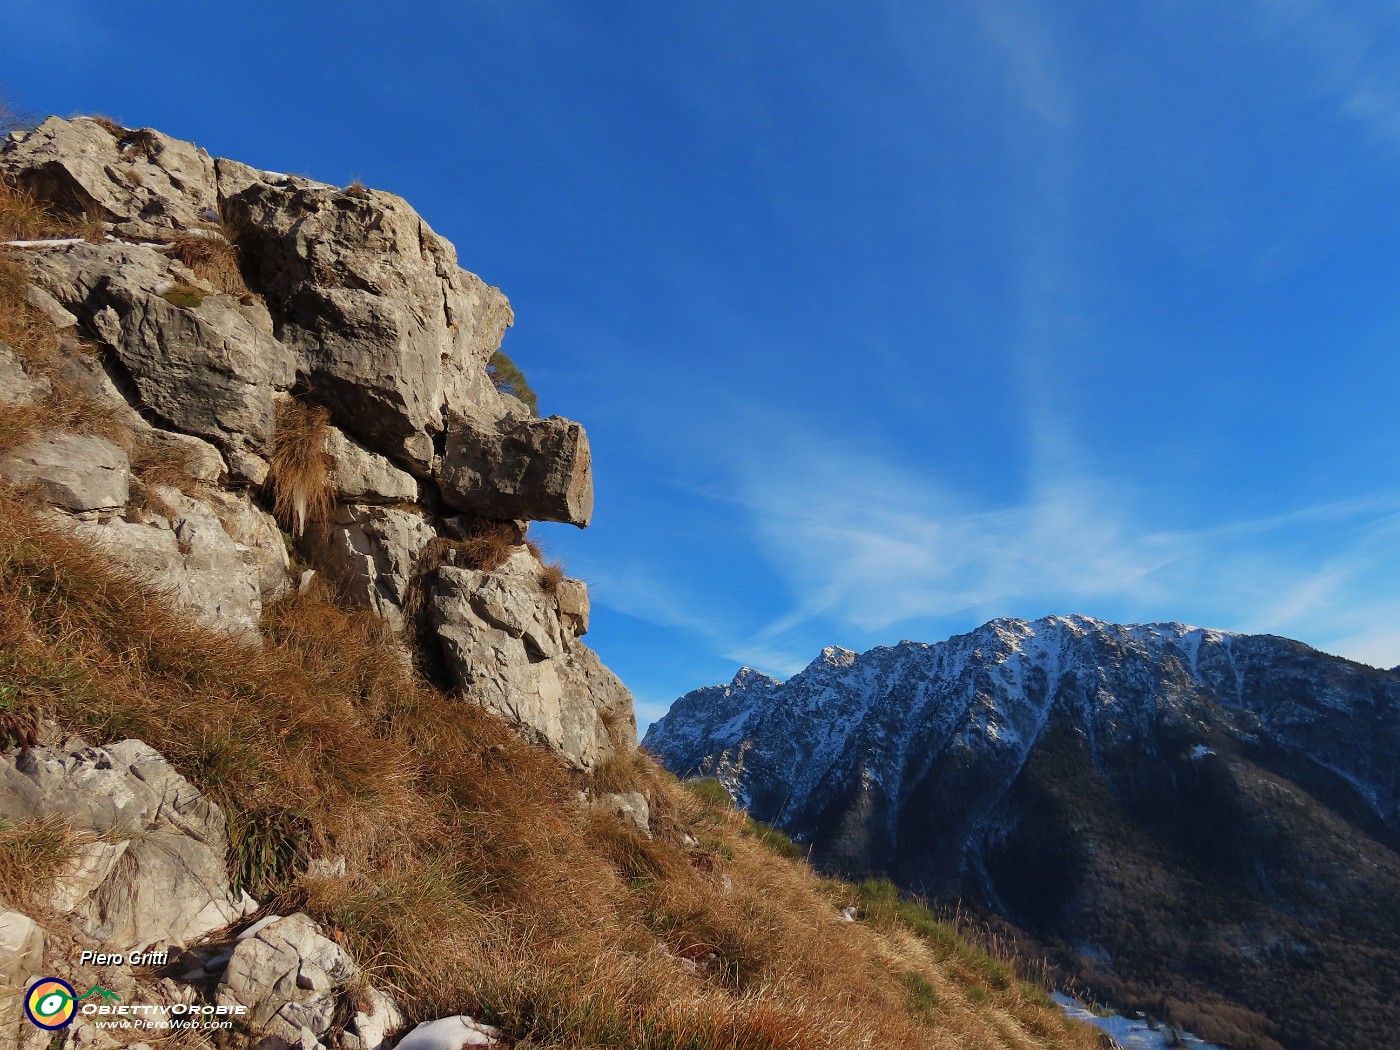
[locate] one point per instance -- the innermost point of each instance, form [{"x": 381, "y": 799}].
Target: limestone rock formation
[
  {"x": 149, "y": 819},
  {"x": 290, "y": 977},
  {"x": 141, "y": 179},
  {"x": 340, "y": 300},
  {"x": 221, "y": 570},
  {"x": 389, "y": 330},
  {"x": 510, "y": 646},
  {"x": 77, "y": 472},
  {"x": 17, "y": 385},
  {"x": 372, "y": 553},
  {"x": 208, "y": 367}
]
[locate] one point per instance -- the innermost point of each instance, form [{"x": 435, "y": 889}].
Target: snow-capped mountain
[{"x": 1055, "y": 768}]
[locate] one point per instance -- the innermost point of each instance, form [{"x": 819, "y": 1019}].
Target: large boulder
[
  {"x": 391, "y": 332},
  {"x": 78, "y": 472},
  {"x": 290, "y": 977},
  {"x": 509, "y": 647},
  {"x": 156, "y": 875},
  {"x": 141, "y": 179},
  {"x": 535, "y": 469}
]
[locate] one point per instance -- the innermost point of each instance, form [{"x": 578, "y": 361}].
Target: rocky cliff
[
  {"x": 244, "y": 342},
  {"x": 233, "y": 382},
  {"x": 1183, "y": 814}
]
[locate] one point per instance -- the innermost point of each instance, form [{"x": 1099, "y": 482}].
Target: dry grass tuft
[
  {"x": 488, "y": 545},
  {"x": 356, "y": 189},
  {"x": 107, "y": 124},
  {"x": 162, "y": 463},
  {"x": 22, "y": 216},
  {"x": 300, "y": 478},
  {"x": 213, "y": 258},
  {"x": 32, "y": 856},
  {"x": 551, "y": 576}
]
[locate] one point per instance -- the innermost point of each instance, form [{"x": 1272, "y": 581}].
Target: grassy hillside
[{"x": 478, "y": 883}]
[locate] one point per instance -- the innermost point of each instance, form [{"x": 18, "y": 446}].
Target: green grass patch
[
  {"x": 923, "y": 1000},
  {"x": 185, "y": 296}
]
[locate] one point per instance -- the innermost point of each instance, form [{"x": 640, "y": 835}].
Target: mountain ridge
[{"x": 1067, "y": 772}]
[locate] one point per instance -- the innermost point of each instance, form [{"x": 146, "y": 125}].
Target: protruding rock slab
[
  {"x": 152, "y": 821},
  {"x": 532, "y": 469},
  {"x": 509, "y": 647},
  {"x": 78, "y": 472}
]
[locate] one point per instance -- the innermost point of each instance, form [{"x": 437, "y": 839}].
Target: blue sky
[{"x": 884, "y": 318}]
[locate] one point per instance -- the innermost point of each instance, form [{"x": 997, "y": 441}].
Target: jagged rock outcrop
[
  {"x": 131, "y": 812},
  {"x": 509, "y": 644},
  {"x": 358, "y": 302},
  {"x": 143, "y": 181},
  {"x": 344, "y": 300},
  {"x": 372, "y": 553},
  {"x": 218, "y": 557}
]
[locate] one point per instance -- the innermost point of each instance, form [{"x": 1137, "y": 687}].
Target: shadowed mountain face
[{"x": 1200, "y": 824}]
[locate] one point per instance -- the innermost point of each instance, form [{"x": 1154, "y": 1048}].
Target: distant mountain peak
[{"x": 1067, "y": 769}]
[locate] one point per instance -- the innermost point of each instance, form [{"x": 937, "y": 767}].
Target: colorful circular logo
[{"x": 51, "y": 1003}]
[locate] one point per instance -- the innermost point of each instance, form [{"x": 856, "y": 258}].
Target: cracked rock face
[
  {"x": 211, "y": 369},
  {"x": 509, "y": 646},
  {"x": 390, "y": 331},
  {"x": 290, "y": 977},
  {"x": 220, "y": 559},
  {"x": 150, "y": 819}
]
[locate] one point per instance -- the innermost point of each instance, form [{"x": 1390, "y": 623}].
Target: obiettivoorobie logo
[{"x": 51, "y": 1002}]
